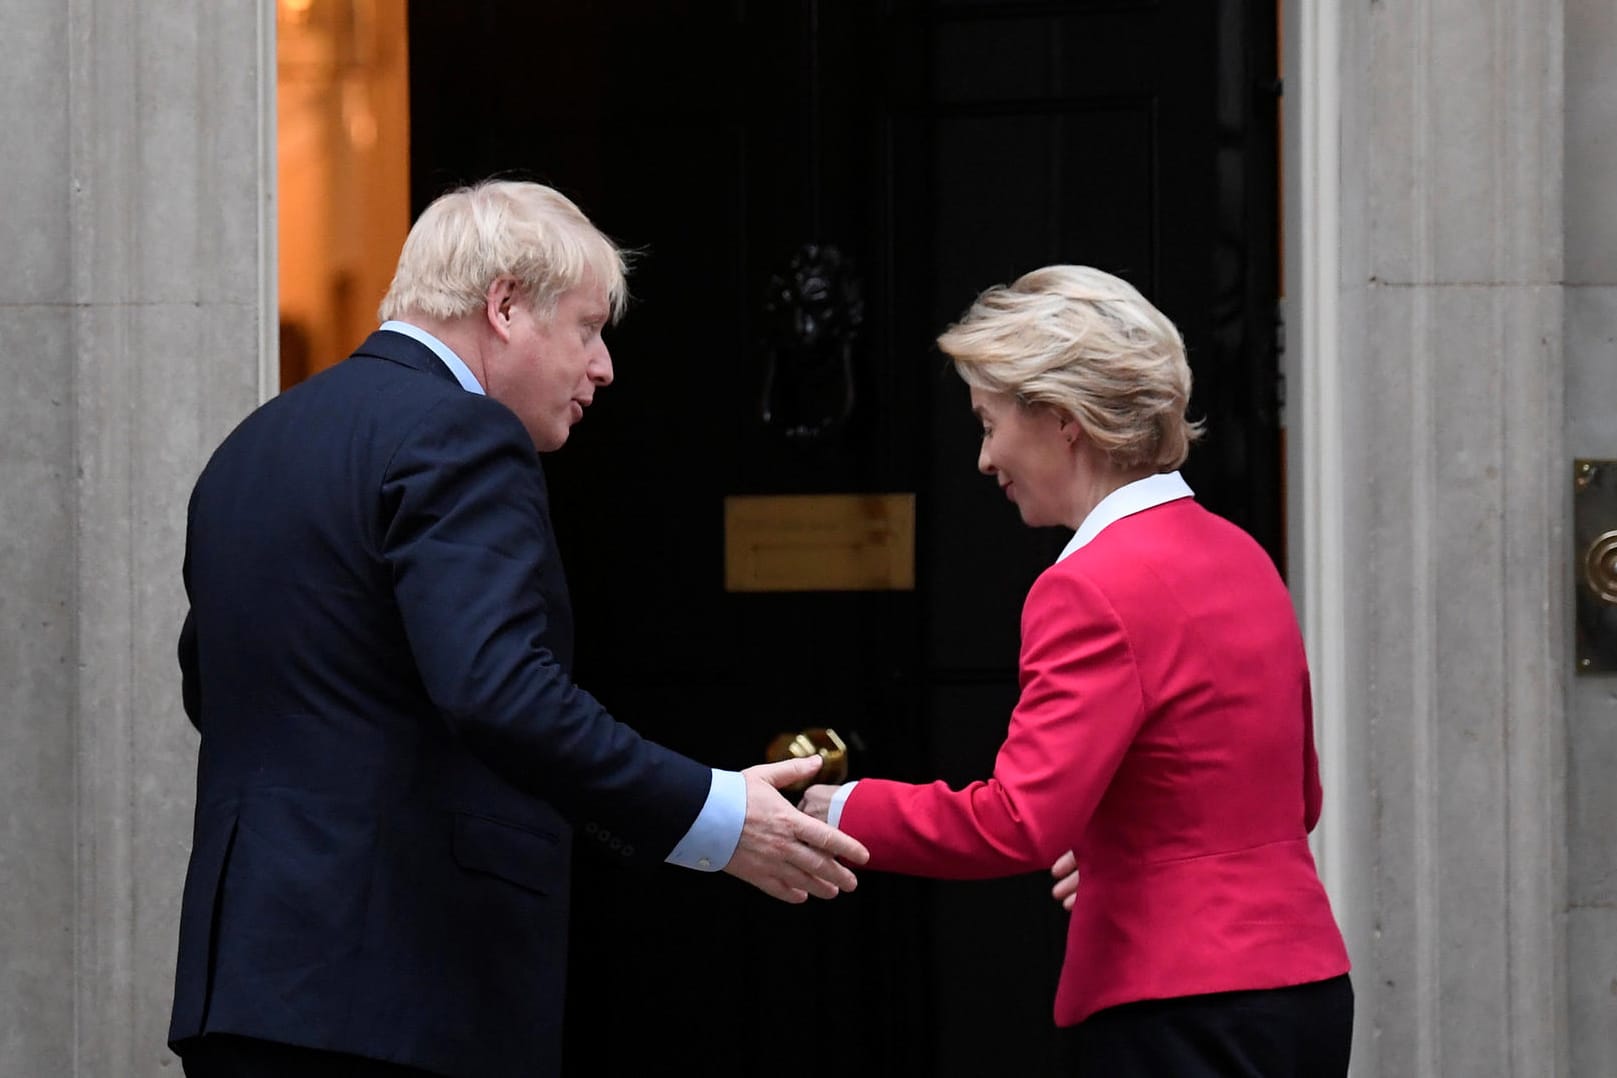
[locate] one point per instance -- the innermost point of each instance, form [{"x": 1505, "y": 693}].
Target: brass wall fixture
[
  {"x": 817, "y": 740},
  {"x": 1594, "y": 537},
  {"x": 1600, "y": 567},
  {"x": 813, "y": 311}
]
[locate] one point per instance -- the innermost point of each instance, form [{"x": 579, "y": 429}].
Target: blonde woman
[{"x": 1161, "y": 752}]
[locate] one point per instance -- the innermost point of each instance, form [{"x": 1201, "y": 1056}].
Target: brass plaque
[{"x": 819, "y": 542}]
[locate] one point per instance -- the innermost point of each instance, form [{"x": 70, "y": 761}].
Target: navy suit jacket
[{"x": 377, "y": 657}]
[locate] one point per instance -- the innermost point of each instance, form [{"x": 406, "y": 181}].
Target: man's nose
[{"x": 601, "y": 368}]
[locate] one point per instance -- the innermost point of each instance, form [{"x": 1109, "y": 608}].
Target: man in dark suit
[{"x": 393, "y": 753}]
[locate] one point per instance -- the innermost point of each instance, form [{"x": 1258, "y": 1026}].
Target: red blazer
[{"x": 1164, "y": 734}]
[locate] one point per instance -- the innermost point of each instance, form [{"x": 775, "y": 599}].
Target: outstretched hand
[
  {"x": 816, "y": 801},
  {"x": 1065, "y": 870},
  {"x": 783, "y": 852}
]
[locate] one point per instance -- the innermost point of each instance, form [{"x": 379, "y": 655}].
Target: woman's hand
[
  {"x": 816, "y": 801},
  {"x": 1065, "y": 870}
]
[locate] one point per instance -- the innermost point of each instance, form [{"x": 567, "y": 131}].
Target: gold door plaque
[{"x": 819, "y": 542}]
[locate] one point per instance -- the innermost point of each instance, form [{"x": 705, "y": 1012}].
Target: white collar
[
  {"x": 1126, "y": 500},
  {"x": 463, "y": 374}
]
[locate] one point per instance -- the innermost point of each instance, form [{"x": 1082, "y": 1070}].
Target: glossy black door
[{"x": 938, "y": 147}]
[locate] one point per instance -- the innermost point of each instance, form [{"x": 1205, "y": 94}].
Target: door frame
[
  {"x": 268, "y": 247},
  {"x": 1315, "y": 485},
  {"x": 1311, "y": 42}
]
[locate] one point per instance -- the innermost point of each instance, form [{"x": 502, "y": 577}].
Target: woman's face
[{"x": 1030, "y": 451}]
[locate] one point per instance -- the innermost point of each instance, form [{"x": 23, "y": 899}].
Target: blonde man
[{"x": 394, "y": 756}]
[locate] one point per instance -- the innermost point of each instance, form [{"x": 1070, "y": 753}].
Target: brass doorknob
[
  {"x": 1600, "y": 567},
  {"x": 815, "y": 741}
]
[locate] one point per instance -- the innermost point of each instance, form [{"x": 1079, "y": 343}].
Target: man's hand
[
  {"x": 1065, "y": 870},
  {"x": 816, "y": 802},
  {"x": 784, "y": 853}
]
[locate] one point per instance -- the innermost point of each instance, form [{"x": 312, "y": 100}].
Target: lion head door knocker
[{"x": 812, "y": 314}]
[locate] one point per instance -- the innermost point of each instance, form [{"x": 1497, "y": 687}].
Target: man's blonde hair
[
  {"x": 1087, "y": 343},
  {"x": 472, "y": 236}
]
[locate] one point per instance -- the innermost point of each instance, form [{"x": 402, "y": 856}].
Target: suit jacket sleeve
[
  {"x": 189, "y": 682},
  {"x": 466, "y": 537},
  {"x": 190, "y": 678},
  {"x": 1081, "y": 704}
]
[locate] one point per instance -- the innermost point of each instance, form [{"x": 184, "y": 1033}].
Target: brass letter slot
[{"x": 1594, "y": 538}]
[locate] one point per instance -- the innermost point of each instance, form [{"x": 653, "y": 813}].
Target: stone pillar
[
  {"x": 1447, "y": 472},
  {"x": 1591, "y": 394},
  {"x": 37, "y": 510},
  {"x": 136, "y": 150}
]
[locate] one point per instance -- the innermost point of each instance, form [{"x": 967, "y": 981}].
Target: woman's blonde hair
[
  {"x": 470, "y": 237},
  {"x": 1086, "y": 343}
]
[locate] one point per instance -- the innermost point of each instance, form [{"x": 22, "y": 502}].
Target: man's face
[{"x": 547, "y": 370}]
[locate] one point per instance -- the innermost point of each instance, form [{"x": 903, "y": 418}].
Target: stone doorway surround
[
  {"x": 1429, "y": 513},
  {"x": 1433, "y": 338},
  {"x": 136, "y": 328}
]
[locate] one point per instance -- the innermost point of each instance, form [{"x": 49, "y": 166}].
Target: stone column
[
  {"x": 1591, "y": 393},
  {"x": 136, "y": 149},
  {"x": 1453, "y": 504},
  {"x": 37, "y": 511}
]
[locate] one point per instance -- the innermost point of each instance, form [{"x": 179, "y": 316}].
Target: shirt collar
[
  {"x": 1126, "y": 500},
  {"x": 462, "y": 373}
]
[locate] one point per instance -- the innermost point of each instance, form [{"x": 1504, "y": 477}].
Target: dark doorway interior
[{"x": 939, "y": 147}]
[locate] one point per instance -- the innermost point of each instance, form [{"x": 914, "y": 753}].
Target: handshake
[{"x": 791, "y": 853}]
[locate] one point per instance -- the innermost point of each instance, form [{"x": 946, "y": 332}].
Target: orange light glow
[{"x": 342, "y": 96}]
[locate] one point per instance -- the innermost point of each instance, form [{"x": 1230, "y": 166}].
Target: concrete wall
[
  {"x": 1591, "y": 412},
  {"x": 132, "y": 154},
  {"x": 1434, "y": 460},
  {"x": 38, "y": 505},
  {"x": 1462, "y": 459}
]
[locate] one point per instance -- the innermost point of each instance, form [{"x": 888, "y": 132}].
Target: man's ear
[{"x": 502, "y": 292}]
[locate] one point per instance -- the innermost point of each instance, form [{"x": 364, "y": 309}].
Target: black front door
[{"x": 936, "y": 148}]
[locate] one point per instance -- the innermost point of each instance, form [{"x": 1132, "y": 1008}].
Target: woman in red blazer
[{"x": 1163, "y": 742}]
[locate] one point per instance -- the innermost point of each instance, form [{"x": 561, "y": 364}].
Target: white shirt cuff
[
  {"x": 711, "y": 841},
  {"x": 833, "y": 815}
]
